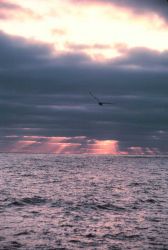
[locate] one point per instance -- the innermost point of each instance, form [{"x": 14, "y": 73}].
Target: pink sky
[{"x": 96, "y": 28}]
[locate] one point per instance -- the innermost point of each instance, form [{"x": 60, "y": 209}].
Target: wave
[{"x": 36, "y": 200}]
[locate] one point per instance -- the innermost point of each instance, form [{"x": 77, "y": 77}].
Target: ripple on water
[
  {"x": 36, "y": 200},
  {"x": 122, "y": 236},
  {"x": 52, "y": 202},
  {"x": 101, "y": 206},
  {"x": 13, "y": 245}
]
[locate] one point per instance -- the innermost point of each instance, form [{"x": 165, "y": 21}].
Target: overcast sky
[{"x": 53, "y": 52}]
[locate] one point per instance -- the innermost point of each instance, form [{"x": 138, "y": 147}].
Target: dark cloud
[
  {"x": 80, "y": 47},
  {"x": 158, "y": 7},
  {"x": 9, "y": 10},
  {"x": 144, "y": 58},
  {"x": 45, "y": 95},
  {"x": 18, "y": 53},
  {"x": 7, "y": 5}
]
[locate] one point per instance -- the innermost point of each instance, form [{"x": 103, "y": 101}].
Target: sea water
[{"x": 83, "y": 202}]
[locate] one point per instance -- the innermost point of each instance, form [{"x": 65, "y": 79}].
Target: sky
[{"x": 54, "y": 52}]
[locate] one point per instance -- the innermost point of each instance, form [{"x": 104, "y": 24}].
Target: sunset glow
[
  {"x": 72, "y": 145},
  {"x": 94, "y": 29}
]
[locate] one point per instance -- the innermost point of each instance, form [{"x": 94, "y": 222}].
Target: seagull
[{"x": 98, "y": 101}]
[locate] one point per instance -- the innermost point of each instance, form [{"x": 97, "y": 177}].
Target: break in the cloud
[
  {"x": 93, "y": 27},
  {"x": 45, "y": 81}
]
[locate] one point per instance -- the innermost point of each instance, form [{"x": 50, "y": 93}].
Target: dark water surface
[{"x": 83, "y": 202}]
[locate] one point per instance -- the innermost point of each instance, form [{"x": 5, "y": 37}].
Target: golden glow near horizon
[
  {"x": 100, "y": 31},
  {"x": 105, "y": 147},
  {"x": 72, "y": 145},
  {"x": 61, "y": 145}
]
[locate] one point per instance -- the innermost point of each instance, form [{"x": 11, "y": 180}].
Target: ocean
[{"x": 83, "y": 202}]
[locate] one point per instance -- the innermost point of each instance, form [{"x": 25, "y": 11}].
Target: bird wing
[
  {"x": 97, "y": 99},
  {"x": 108, "y": 103}
]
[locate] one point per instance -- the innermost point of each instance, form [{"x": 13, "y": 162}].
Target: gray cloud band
[{"x": 50, "y": 96}]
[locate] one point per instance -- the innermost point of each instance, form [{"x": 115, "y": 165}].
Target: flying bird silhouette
[{"x": 98, "y": 101}]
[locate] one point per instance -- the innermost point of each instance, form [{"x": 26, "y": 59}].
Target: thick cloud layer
[{"x": 46, "y": 95}]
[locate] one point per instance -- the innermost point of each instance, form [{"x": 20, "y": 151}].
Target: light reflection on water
[{"x": 89, "y": 202}]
